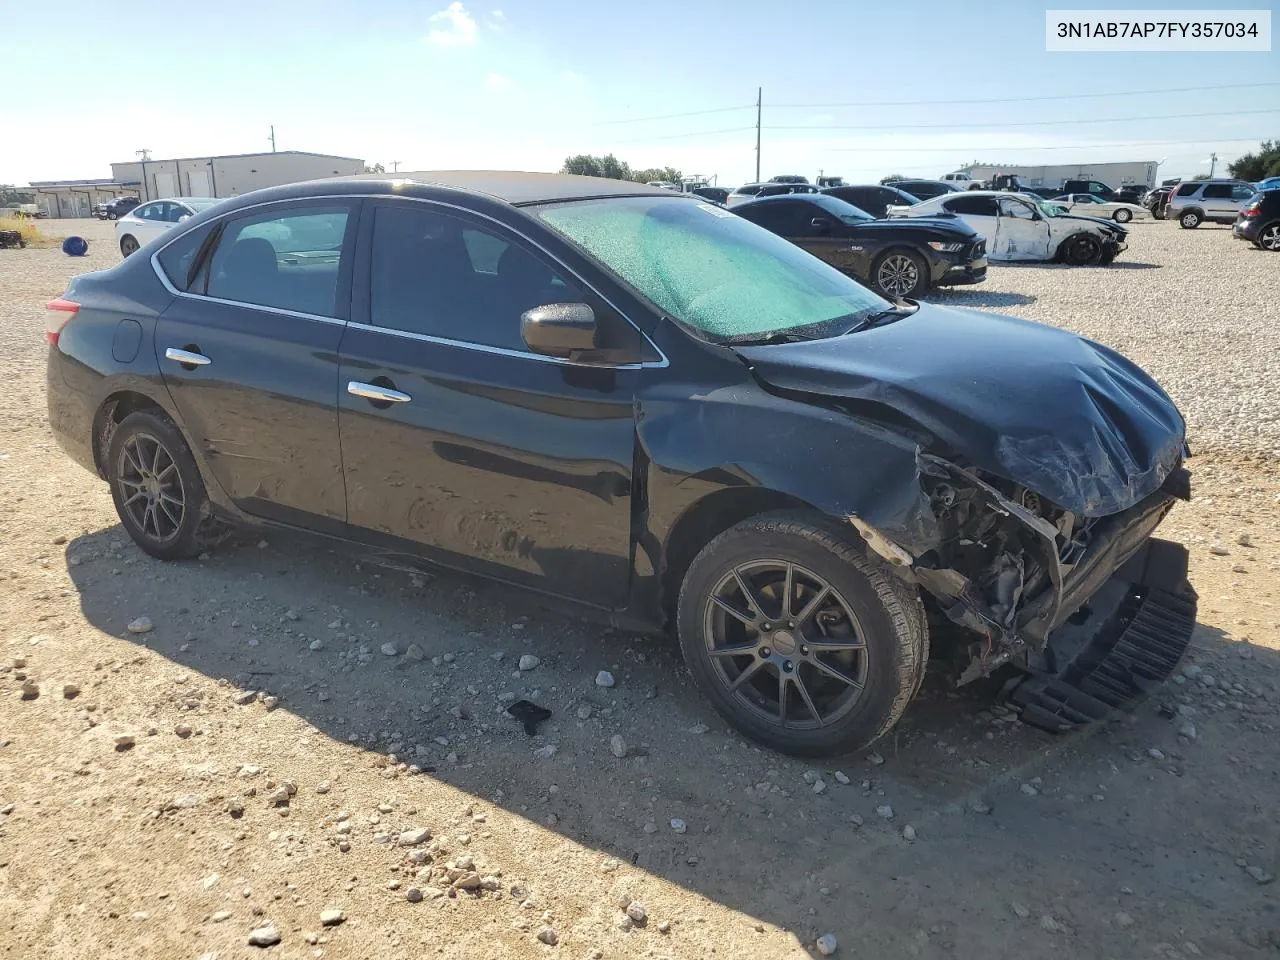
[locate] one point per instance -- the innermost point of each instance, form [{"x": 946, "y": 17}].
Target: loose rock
[
  {"x": 885, "y": 811},
  {"x": 267, "y": 936},
  {"x": 548, "y": 936},
  {"x": 332, "y": 917},
  {"x": 909, "y": 833},
  {"x": 411, "y": 838},
  {"x": 140, "y": 625},
  {"x": 71, "y": 690},
  {"x": 604, "y": 679},
  {"x": 678, "y": 825},
  {"x": 617, "y": 746},
  {"x": 529, "y": 662},
  {"x": 389, "y": 649},
  {"x": 827, "y": 944},
  {"x": 30, "y": 690},
  {"x": 636, "y": 911}
]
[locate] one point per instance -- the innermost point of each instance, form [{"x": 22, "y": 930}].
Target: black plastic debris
[{"x": 530, "y": 714}]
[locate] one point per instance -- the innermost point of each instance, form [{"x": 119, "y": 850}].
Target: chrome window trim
[
  {"x": 505, "y": 352},
  {"x": 664, "y": 362}
]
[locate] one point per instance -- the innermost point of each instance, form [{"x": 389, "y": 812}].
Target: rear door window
[
  {"x": 1217, "y": 191},
  {"x": 177, "y": 258},
  {"x": 973, "y": 206},
  {"x": 286, "y": 259},
  {"x": 1242, "y": 191}
]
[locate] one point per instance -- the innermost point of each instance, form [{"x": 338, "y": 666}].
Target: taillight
[
  {"x": 59, "y": 314},
  {"x": 1253, "y": 209}
]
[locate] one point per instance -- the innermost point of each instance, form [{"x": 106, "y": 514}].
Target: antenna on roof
[{"x": 144, "y": 154}]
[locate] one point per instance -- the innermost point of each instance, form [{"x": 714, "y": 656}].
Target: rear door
[
  {"x": 1021, "y": 233},
  {"x": 980, "y": 212},
  {"x": 486, "y": 456},
  {"x": 249, "y": 352},
  {"x": 1217, "y": 201}
]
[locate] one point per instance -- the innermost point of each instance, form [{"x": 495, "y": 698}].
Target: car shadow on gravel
[
  {"x": 983, "y": 299},
  {"x": 1001, "y": 812}
]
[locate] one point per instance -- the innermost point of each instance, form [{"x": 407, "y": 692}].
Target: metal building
[
  {"x": 1114, "y": 175},
  {"x": 225, "y": 176}
]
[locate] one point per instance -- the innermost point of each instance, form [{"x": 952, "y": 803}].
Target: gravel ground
[{"x": 261, "y": 763}]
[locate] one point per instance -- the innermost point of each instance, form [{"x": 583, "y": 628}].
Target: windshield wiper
[
  {"x": 884, "y": 316},
  {"x": 778, "y": 336}
]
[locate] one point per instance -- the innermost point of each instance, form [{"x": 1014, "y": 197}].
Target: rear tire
[
  {"x": 1190, "y": 220},
  {"x": 1269, "y": 238},
  {"x": 1122, "y": 216},
  {"x": 128, "y": 245},
  {"x": 781, "y": 690},
  {"x": 156, "y": 486},
  {"x": 111, "y": 216},
  {"x": 900, "y": 273}
]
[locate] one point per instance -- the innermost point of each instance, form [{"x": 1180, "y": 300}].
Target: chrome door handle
[
  {"x": 187, "y": 358},
  {"x": 371, "y": 391}
]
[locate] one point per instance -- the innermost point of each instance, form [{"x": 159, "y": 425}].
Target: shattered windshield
[
  {"x": 1047, "y": 207},
  {"x": 727, "y": 279}
]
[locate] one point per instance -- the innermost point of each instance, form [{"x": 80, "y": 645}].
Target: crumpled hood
[{"x": 1071, "y": 419}]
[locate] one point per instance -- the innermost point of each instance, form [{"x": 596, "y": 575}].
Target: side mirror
[
  {"x": 821, "y": 224},
  {"x": 559, "y": 329}
]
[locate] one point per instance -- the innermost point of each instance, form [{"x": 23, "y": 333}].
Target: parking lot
[{"x": 1156, "y": 834}]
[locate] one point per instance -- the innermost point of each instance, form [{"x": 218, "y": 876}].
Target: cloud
[
  {"x": 496, "y": 20},
  {"x": 452, "y": 27},
  {"x": 497, "y": 83}
]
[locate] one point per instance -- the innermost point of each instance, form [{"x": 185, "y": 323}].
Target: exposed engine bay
[{"x": 1011, "y": 568}]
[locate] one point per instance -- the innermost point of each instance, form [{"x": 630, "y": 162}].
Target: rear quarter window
[{"x": 176, "y": 259}]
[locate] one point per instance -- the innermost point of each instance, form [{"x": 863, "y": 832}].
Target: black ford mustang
[
  {"x": 896, "y": 258},
  {"x": 641, "y": 403}
]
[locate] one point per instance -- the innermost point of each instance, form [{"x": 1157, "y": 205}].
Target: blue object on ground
[{"x": 75, "y": 246}]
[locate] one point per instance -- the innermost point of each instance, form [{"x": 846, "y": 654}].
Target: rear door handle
[
  {"x": 375, "y": 393},
  {"x": 187, "y": 358}
]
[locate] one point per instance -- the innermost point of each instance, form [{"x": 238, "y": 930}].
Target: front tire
[
  {"x": 800, "y": 640},
  {"x": 1123, "y": 216},
  {"x": 156, "y": 486},
  {"x": 1190, "y": 220},
  {"x": 1269, "y": 238},
  {"x": 128, "y": 245},
  {"x": 1082, "y": 250},
  {"x": 900, "y": 274}
]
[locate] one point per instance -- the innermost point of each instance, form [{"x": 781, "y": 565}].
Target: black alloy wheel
[
  {"x": 150, "y": 487},
  {"x": 1082, "y": 250},
  {"x": 785, "y": 643},
  {"x": 798, "y": 638},
  {"x": 899, "y": 274},
  {"x": 1269, "y": 237},
  {"x": 156, "y": 485},
  {"x": 128, "y": 244}
]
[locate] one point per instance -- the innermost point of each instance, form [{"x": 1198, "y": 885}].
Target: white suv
[{"x": 1195, "y": 201}]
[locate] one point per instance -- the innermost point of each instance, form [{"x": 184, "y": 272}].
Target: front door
[
  {"x": 249, "y": 351},
  {"x": 980, "y": 212},
  {"x": 1021, "y": 232},
  {"x": 458, "y": 441}
]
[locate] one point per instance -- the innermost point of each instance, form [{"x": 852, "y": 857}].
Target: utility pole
[
  {"x": 1213, "y": 164},
  {"x": 759, "y": 99},
  {"x": 273, "y": 138},
  {"x": 144, "y": 154},
  {"x": 395, "y": 166}
]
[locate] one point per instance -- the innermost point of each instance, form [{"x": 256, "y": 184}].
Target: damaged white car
[{"x": 1020, "y": 226}]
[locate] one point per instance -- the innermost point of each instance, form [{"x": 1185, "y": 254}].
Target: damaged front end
[{"x": 1093, "y": 608}]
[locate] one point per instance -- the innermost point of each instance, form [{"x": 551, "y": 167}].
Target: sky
[{"x": 519, "y": 84}]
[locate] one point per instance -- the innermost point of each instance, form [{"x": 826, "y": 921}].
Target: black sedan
[
  {"x": 641, "y": 404},
  {"x": 896, "y": 258},
  {"x": 873, "y": 198}
]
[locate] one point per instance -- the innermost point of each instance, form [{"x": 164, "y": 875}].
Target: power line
[
  {"x": 1063, "y": 96},
  {"x": 1021, "y": 123},
  {"x": 672, "y": 116},
  {"x": 1059, "y": 146},
  {"x": 692, "y": 133}
]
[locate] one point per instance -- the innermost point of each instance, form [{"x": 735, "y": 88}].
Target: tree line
[
  {"x": 1258, "y": 166},
  {"x": 587, "y": 165}
]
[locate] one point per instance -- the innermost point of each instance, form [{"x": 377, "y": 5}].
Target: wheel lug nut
[
  {"x": 764, "y": 651},
  {"x": 787, "y": 665}
]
